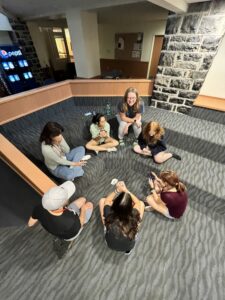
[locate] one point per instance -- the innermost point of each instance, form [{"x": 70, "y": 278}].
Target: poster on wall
[{"x": 128, "y": 46}]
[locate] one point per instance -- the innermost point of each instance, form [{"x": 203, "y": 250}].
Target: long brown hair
[
  {"x": 51, "y": 130},
  {"x": 172, "y": 179},
  {"x": 159, "y": 132},
  {"x": 136, "y": 105}
]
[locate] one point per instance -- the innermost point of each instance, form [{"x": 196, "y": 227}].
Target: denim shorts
[{"x": 73, "y": 207}]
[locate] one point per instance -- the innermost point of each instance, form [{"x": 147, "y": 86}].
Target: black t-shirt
[
  {"x": 159, "y": 146},
  {"x": 130, "y": 113},
  {"x": 115, "y": 238},
  {"x": 64, "y": 226}
]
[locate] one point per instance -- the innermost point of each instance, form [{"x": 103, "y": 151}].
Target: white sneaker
[
  {"x": 113, "y": 149},
  {"x": 86, "y": 157}
]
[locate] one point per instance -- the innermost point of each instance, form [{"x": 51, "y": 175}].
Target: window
[
  {"x": 69, "y": 44},
  {"x": 59, "y": 41},
  {"x": 61, "y": 47}
]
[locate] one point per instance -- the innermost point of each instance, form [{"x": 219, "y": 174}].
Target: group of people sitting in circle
[
  {"x": 67, "y": 164},
  {"x": 121, "y": 211}
]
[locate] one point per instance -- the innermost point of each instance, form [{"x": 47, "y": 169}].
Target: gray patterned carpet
[{"x": 172, "y": 260}]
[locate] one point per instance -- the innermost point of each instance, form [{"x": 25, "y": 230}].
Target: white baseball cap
[{"x": 57, "y": 196}]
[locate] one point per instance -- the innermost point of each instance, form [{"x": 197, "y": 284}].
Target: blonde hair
[
  {"x": 172, "y": 179},
  {"x": 159, "y": 132},
  {"x": 136, "y": 105}
]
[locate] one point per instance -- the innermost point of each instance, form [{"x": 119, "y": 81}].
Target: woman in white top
[{"x": 59, "y": 159}]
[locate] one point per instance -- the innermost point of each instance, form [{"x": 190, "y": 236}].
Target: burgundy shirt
[{"x": 176, "y": 202}]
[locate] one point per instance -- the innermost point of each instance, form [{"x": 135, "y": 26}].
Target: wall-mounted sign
[
  {"x": 128, "y": 46},
  {"x": 6, "y": 54}
]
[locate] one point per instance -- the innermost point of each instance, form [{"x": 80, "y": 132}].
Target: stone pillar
[
  {"x": 190, "y": 44},
  {"x": 83, "y": 29},
  {"x": 21, "y": 36}
]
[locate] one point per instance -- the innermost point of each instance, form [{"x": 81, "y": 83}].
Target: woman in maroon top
[{"x": 168, "y": 195}]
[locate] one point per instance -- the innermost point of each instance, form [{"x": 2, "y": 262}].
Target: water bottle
[{"x": 108, "y": 109}]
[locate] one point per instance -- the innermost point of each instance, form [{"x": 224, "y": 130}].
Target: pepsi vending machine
[{"x": 15, "y": 70}]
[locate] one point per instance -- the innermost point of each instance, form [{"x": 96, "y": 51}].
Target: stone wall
[
  {"x": 22, "y": 37},
  {"x": 190, "y": 44}
]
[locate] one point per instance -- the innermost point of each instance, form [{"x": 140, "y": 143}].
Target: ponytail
[
  {"x": 180, "y": 187},
  {"x": 172, "y": 179}
]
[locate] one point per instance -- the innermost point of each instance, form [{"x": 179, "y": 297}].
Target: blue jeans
[{"x": 67, "y": 173}]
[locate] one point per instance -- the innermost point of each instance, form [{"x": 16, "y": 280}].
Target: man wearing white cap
[{"x": 65, "y": 222}]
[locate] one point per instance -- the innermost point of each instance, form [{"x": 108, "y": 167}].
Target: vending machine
[{"x": 14, "y": 70}]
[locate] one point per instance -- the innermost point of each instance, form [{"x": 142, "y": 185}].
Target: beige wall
[
  {"x": 107, "y": 36},
  {"x": 42, "y": 43},
  {"x": 214, "y": 84},
  {"x": 39, "y": 43}
]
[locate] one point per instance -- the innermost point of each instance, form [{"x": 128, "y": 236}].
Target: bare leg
[
  {"x": 162, "y": 157},
  {"x": 110, "y": 143},
  {"x": 80, "y": 202},
  {"x": 85, "y": 212},
  {"x": 158, "y": 205},
  {"x": 101, "y": 208},
  {"x": 138, "y": 150},
  {"x": 93, "y": 145}
]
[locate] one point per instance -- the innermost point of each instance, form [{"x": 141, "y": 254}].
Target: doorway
[{"x": 156, "y": 51}]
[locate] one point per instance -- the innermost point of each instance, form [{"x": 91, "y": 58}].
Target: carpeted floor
[{"x": 173, "y": 259}]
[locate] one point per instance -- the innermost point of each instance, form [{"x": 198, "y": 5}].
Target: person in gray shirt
[{"x": 60, "y": 160}]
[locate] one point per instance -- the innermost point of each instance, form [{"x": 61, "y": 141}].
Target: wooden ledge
[
  {"x": 210, "y": 102},
  {"x": 24, "y": 167},
  {"x": 22, "y": 104}
]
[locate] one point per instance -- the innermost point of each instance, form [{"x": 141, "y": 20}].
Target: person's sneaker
[
  {"x": 121, "y": 142},
  {"x": 176, "y": 156},
  {"x": 135, "y": 143},
  {"x": 128, "y": 252},
  {"x": 86, "y": 157},
  {"x": 113, "y": 149}
]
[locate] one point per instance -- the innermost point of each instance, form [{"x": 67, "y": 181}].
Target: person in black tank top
[{"x": 121, "y": 214}]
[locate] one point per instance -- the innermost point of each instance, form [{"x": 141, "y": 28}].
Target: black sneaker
[
  {"x": 128, "y": 252},
  {"x": 176, "y": 156}
]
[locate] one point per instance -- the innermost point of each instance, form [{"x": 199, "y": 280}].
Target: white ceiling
[
  {"x": 32, "y": 9},
  {"x": 137, "y": 12}
]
